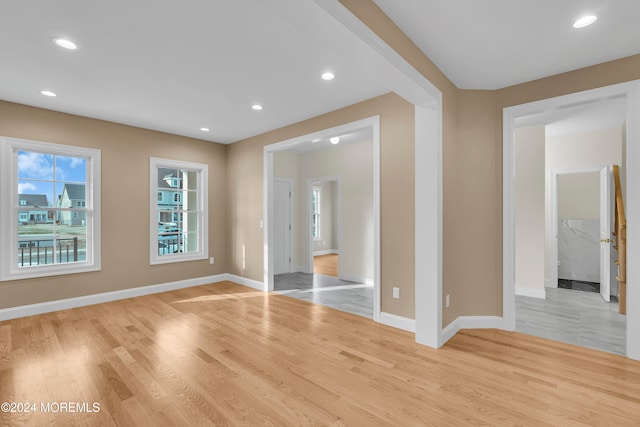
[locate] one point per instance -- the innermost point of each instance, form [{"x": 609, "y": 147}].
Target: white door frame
[
  {"x": 409, "y": 83},
  {"x": 630, "y": 90},
  {"x": 291, "y": 216},
  {"x": 552, "y": 232},
  {"x": 309, "y": 235},
  {"x": 269, "y": 150}
]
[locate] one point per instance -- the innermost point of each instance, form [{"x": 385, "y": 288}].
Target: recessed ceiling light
[
  {"x": 47, "y": 93},
  {"x": 328, "y": 76},
  {"x": 67, "y": 44},
  {"x": 205, "y": 129},
  {"x": 585, "y": 21},
  {"x": 257, "y": 107},
  {"x": 334, "y": 140}
]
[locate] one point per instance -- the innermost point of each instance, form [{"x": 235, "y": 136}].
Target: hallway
[{"x": 574, "y": 317}]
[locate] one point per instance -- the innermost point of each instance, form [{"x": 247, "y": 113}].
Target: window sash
[
  {"x": 181, "y": 213},
  {"x": 14, "y": 212}
]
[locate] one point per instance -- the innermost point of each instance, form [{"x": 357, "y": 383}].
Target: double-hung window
[
  {"x": 50, "y": 209},
  {"x": 316, "y": 200},
  {"x": 178, "y": 211}
]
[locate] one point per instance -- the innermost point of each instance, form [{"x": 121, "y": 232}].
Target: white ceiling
[
  {"x": 490, "y": 44},
  {"x": 161, "y": 65}
]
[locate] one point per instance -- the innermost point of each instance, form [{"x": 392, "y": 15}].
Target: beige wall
[
  {"x": 529, "y": 148},
  {"x": 245, "y": 199},
  {"x": 125, "y": 203}
]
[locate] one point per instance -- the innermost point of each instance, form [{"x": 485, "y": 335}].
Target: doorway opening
[
  {"x": 320, "y": 174},
  {"x": 542, "y": 113}
]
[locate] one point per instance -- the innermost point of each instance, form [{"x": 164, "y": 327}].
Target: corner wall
[{"x": 125, "y": 203}]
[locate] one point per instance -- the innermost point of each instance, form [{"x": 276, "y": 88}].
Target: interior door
[
  {"x": 282, "y": 227},
  {"x": 606, "y": 204}
]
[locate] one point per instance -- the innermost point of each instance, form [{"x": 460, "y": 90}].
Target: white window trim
[
  {"x": 203, "y": 232},
  {"x": 9, "y": 269}
]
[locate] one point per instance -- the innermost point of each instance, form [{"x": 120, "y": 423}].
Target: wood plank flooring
[
  {"x": 326, "y": 265},
  {"x": 223, "y": 354}
]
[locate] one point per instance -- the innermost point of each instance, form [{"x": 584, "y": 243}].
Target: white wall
[
  {"x": 579, "y": 196},
  {"x": 352, "y": 163},
  {"x": 529, "y": 156}
]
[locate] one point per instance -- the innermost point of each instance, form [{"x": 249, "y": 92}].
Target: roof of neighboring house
[
  {"x": 164, "y": 173},
  {"x": 75, "y": 191},
  {"x": 34, "y": 200}
]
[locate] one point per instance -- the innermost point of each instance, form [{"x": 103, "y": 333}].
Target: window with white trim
[
  {"x": 50, "y": 209},
  {"x": 316, "y": 200},
  {"x": 178, "y": 219}
]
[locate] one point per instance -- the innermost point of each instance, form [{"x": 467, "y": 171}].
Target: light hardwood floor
[
  {"x": 326, "y": 265},
  {"x": 224, "y": 354}
]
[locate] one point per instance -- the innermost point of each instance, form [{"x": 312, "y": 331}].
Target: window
[
  {"x": 316, "y": 197},
  {"x": 179, "y": 221},
  {"x": 159, "y": 196},
  {"x": 50, "y": 209}
]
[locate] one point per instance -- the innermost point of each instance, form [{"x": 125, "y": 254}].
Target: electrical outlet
[
  {"x": 396, "y": 293},
  {"x": 211, "y": 260},
  {"x": 447, "y": 301}
]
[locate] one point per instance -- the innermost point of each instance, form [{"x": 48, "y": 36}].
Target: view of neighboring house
[
  {"x": 73, "y": 196},
  {"x": 37, "y": 213},
  {"x": 168, "y": 196}
]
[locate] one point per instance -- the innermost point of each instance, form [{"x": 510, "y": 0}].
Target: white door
[
  {"x": 606, "y": 203},
  {"x": 282, "y": 227}
]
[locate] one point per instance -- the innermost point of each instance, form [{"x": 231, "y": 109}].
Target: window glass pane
[
  {"x": 191, "y": 242},
  {"x": 35, "y": 194},
  {"x": 72, "y": 196},
  {"x": 71, "y": 245},
  {"x": 35, "y": 239},
  {"x": 35, "y": 165},
  {"x": 191, "y": 200},
  {"x": 191, "y": 180},
  {"x": 71, "y": 169},
  {"x": 169, "y": 241}
]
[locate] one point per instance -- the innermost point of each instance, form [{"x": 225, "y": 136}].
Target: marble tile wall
[{"x": 579, "y": 249}]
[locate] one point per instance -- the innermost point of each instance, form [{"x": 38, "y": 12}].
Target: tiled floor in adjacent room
[
  {"x": 574, "y": 317},
  {"x": 356, "y": 298}
]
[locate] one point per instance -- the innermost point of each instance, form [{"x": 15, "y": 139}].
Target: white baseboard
[
  {"x": 398, "y": 322},
  {"x": 299, "y": 269},
  {"x": 64, "y": 304},
  {"x": 354, "y": 278},
  {"x": 244, "y": 281},
  {"x": 471, "y": 322},
  {"x": 327, "y": 252},
  {"x": 531, "y": 292}
]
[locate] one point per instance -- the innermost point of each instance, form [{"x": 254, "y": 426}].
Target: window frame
[
  {"x": 202, "y": 173},
  {"x": 10, "y": 206},
  {"x": 317, "y": 213}
]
